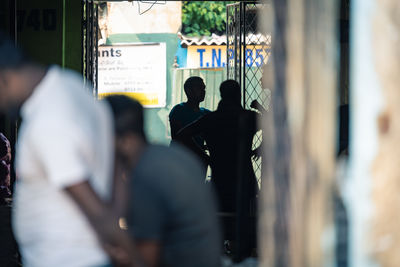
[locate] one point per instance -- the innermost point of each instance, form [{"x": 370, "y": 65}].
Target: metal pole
[
  {"x": 83, "y": 25},
  {"x": 241, "y": 188},
  {"x": 236, "y": 48},
  {"x": 87, "y": 41},
  {"x": 240, "y": 43},
  {"x": 227, "y": 40},
  {"x": 234, "y": 42},
  {"x": 96, "y": 67},
  {"x": 90, "y": 48},
  {"x": 243, "y": 17}
]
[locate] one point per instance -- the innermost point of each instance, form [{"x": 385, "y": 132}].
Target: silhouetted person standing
[
  {"x": 228, "y": 133},
  {"x": 185, "y": 113}
]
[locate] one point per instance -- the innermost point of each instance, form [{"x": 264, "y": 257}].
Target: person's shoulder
[
  {"x": 179, "y": 106},
  {"x": 210, "y": 115},
  {"x": 66, "y": 76},
  {"x": 67, "y": 73},
  {"x": 157, "y": 149},
  {"x": 205, "y": 111},
  {"x": 208, "y": 119},
  {"x": 167, "y": 152},
  {"x": 251, "y": 113},
  {"x": 68, "y": 87},
  {"x": 170, "y": 158},
  {"x": 251, "y": 118},
  {"x": 162, "y": 168},
  {"x": 176, "y": 109}
]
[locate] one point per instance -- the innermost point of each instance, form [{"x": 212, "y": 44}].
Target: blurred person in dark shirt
[{"x": 170, "y": 211}]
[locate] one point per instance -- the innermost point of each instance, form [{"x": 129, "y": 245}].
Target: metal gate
[
  {"x": 234, "y": 41},
  {"x": 248, "y": 50},
  {"x": 90, "y": 37}
]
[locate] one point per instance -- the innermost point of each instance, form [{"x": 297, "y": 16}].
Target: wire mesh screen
[
  {"x": 90, "y": 30},
  {"x": 256, "y": 48},
  {"x": 248, "y": 50}
]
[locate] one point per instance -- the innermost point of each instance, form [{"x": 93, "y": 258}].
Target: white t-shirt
[{"x": 65, "y": 138}]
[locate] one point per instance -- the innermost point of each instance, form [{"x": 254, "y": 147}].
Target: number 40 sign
[{"x": 37, "y": 20}]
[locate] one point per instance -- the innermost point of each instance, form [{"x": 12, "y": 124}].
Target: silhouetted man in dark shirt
[{"x": 187, "y": 112}]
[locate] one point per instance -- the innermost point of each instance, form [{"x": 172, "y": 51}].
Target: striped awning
[{"x": 252, "y": 38}]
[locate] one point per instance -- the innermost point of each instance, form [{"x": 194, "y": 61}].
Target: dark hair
[
  {"x": 191, "y": 82},
  {"x": 10, "y": 56},
  {"x": 128, "y": 115},
  {"x": 230, "y": 90}
]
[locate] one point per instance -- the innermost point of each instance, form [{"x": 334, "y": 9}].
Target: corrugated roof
[{"x": 254, "y": 39}]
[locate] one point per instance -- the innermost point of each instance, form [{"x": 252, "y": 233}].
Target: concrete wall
[{"x": 124, "y": 17}]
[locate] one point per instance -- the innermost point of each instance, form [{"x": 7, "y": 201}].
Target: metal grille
[
  {"x": 90, "y": 37},
  {"x": 256, "y": 47},
  {"x": 234, "y": 40},
  {"x": 248, "y": 50}
]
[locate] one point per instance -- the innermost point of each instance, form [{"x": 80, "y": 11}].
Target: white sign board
[{"x": 136, "y": 70}]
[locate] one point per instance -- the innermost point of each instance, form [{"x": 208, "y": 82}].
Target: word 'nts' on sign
[{"x": 136, "y": 70}]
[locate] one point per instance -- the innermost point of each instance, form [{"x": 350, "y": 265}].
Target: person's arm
[
  {"x": 257, "y": 106},
  {"x": 149, "y": 211},
  {"x": 256, "y": 126},
  {"x": 115, "y": 241},
  {"x": 150, "y": 252},
  {"x": 187, "y": 134},
  {"x": 61, "y": 153},
  {"x": 120, "y": 189},
  {"x": 175, "y": 122},
  {"x": 191, "y": 129},
  {"x": 175, "y": 127}
]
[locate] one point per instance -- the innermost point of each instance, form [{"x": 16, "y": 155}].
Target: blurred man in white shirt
[{"x": 62, "y": 214}]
